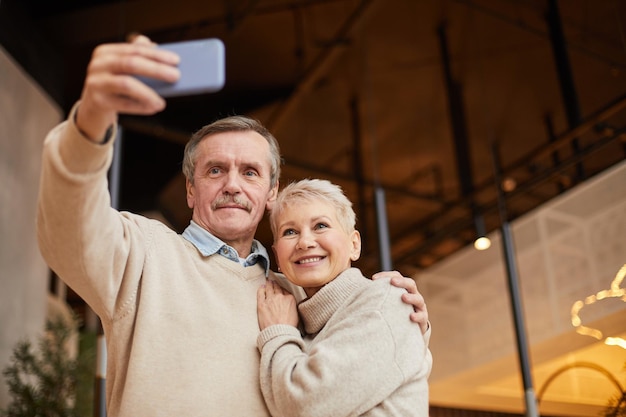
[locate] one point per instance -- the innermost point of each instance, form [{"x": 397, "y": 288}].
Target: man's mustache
[{"x": 229, "y": 201}]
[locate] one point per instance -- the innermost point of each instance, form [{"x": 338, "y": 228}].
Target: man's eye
[
  {"x": 214, "y": 171},
  {"x": 250, "y": 174}
]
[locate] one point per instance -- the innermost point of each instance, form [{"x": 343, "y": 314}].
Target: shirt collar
[{"x": 207, "y": 244}]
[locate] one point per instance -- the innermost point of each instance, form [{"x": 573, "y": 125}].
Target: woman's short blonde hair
[{"x": 308, "y": 190}]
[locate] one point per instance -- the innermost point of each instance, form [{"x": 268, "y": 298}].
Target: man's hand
[
  {"x": 412, "y": 297},
  {"x": 110, "y": 86},
  {"x": 275, "y": 306}
]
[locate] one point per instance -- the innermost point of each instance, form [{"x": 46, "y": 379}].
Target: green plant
[
  {"x": 617, "y": 405},
  {"x": 44, "y": 383}
]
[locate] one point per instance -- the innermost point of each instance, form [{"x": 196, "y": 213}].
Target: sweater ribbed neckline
[{"x": 318, "y": 309}]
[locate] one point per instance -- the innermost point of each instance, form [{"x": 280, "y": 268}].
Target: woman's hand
[{"x": 275, "y": 306}]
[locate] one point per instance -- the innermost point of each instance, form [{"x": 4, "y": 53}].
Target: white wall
[
  {"x": 26, "y": 114},
  {"x": 567, "y": 250}
]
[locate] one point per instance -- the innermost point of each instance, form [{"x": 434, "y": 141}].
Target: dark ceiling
[{"x": 411, "y": 100}]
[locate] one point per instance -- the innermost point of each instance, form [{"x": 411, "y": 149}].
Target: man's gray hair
[{"x": 232, "y": 124}]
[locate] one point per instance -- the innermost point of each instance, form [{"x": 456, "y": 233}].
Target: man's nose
[{"x": 233, "y": 183}]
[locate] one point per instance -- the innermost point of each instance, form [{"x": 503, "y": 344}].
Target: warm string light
[{"x": 613, "y": 292}]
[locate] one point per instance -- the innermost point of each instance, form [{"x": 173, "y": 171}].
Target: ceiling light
[
  {"x": 509, "y": 184},
  {"x": 482, "y": 242}
]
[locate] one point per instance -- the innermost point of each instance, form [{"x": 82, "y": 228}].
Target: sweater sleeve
[
  {"x": 85, "y": 241},
  {"x": 352, "y": 365}
]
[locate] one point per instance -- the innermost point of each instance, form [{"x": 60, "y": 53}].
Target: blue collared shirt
[{"x": 208, "y": 244}]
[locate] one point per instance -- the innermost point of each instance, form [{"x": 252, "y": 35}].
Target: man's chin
[{"x": 234, "y": 226}]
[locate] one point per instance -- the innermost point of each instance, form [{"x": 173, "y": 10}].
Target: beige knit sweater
[
  {"x": 180, "y": 328},
  {"x": 361, "y": 355}
]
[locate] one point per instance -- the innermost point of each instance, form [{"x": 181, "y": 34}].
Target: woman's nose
[{"x": 306, "y": 241}]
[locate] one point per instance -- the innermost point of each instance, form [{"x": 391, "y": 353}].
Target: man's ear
[
  {"x": 355, "y": 252},
  {"x": 273, "y": 193},
  {"x": 191, "y": 199}
]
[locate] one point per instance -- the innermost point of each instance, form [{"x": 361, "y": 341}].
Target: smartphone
[{"x": 202, "y": 68}]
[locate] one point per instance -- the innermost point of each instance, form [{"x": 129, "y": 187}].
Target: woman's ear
[{"x": 355, "y": 252}]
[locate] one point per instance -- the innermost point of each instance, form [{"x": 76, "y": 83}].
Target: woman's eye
[
  {"x": 289, "y": 232},
  {"x": 321, "y": 226}
]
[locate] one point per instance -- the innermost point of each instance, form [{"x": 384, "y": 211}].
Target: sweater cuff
[
  {"x": 81, "y": 155},
  {"x": 274, "y": 331}
]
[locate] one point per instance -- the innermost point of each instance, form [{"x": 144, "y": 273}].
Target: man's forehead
[
  {"x": 248, "y": 147},
  {"x": 235, "y": 139}
]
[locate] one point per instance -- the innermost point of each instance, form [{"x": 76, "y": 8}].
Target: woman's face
[{"x": 310, "y": 245}]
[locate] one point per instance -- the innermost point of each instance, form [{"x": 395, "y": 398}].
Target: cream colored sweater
[
  {"x": 180, "y": 328},
  {"x": 361, "y": 355}
]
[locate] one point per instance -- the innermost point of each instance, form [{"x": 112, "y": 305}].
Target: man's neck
[{"x": 243, "y": 247}]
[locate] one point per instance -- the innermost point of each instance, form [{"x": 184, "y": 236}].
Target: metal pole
[
  {"x": 565, "y": 74},
  {"x": 514, "y": 293},
  {"x": 99, "y": 408},
  {"x": 383, "y": 229},
  {"x": 358, "y": 169},
  {"x": 115, "y": 171}
]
